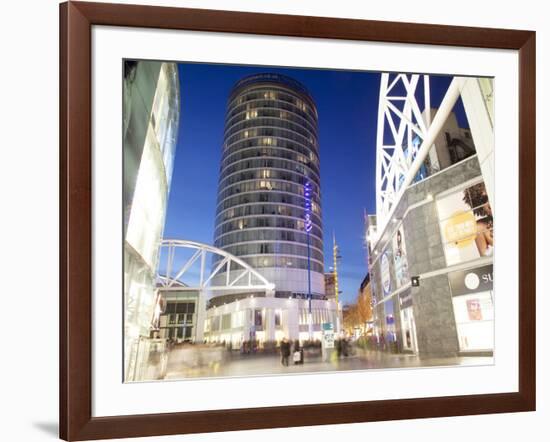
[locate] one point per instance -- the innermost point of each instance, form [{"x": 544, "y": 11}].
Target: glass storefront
[
  {"x": 474, "y": 321},
  {"x": 473, "y": 304},
  {"x": 408, "y": 326},
  {"x": 408, "y": 330},
  {"x": 390, "y": 335}
]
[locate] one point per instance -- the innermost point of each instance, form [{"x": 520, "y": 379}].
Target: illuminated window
[
  {"x": 278, "y": 318},
  {"x": 266, "y": 173},
  {"x": 266, "y": 185},
  {"x": 301, "y": 105},
  {"x": 226, "y": 321}
]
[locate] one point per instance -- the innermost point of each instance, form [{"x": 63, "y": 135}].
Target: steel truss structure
[
  {"x": 405, "y": 134},
  {"x": 400, "y": 126},
  {"x": 237, "y": 274}
]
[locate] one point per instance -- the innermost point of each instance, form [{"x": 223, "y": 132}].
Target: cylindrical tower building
[
  {"x": 270, "y": 155},
  {"x": 270, "y": 152}
]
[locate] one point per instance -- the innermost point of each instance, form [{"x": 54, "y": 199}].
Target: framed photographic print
[{"x": 272, "y": 220}]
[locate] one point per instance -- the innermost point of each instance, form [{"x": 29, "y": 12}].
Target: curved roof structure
[{"x": 238, "y": 274}]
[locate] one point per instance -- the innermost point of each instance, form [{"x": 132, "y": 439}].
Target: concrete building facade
[
  {"x": 431, "y": 264},
  {"x": 445, "y": 314}
]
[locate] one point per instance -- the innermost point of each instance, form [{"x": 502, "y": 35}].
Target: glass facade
[
  {"x": 474, "y": 314},
  {"x": 151, "y": 117},
  {"x": 178, "y": 320},
  {"x": 270, "y": 151}
]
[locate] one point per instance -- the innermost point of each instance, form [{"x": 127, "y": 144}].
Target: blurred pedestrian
[
  {"x": 345, "y": 346},
  {"x": 338, "y": 345},
  {"x": 285, "y": 351},
  {"x": 298, "y": 354}
]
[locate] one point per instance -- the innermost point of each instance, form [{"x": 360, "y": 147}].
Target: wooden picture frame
[{"x": 76, "y": 21}]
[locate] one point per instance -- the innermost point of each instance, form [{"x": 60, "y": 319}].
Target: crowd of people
[{"x": 343, "y": 347}]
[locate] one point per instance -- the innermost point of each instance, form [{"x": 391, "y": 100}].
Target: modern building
[
  {"x": 269, "y": 213},
  {"x": 150, "y": 127},
  {"x": 431, "y": 261},
  {"x": 178, "y": 321}
]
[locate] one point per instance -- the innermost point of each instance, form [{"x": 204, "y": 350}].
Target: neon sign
[{"x": 307, "y": 217}]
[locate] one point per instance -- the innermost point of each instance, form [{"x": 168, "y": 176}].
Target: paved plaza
[{"x": 221, "y": 363}]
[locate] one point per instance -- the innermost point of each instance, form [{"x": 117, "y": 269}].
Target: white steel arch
[{"x": 239, "y": 275}]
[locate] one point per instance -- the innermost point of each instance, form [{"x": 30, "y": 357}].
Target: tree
[
  {"x": 350, "y": 315},
  {"x": 364, "y": 305}
]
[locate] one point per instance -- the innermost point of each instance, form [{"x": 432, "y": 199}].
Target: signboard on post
[{"x": 328, "y": 335}]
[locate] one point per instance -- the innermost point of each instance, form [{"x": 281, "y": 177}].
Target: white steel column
[
  {"x": 269, "y": 324},
  {"x": 201, "y": 317},
  {"x": 477, "y": 96}
]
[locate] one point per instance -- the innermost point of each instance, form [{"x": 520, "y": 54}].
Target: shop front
[
  {"x": 408, "y": 326},
  {"x": 473, "y": 305},
  {"x": 431, "y": 267}
]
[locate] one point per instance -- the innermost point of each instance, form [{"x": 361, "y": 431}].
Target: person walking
[
  {"x": 285, "y": 351},
  {"x": 298, "y": 354}
]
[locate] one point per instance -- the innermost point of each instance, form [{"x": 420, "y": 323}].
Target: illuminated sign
[
  {"x": 464, "y": 282},
  {"x": 307, "y": 217}
]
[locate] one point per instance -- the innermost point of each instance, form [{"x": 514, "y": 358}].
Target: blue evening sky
[{"x": 347, "y": 104}]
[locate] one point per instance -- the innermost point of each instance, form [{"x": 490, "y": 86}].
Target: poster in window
[
  {"x": 466, "y": 222},
  {"x": 258, "y": 318},
  {"x": 474, "y": 309},
  {"x": 400, "y": 263},
  {"x": 385, "y": 271}
]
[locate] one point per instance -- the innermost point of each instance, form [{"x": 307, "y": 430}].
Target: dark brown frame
[{"x": 76, "y": 20}]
